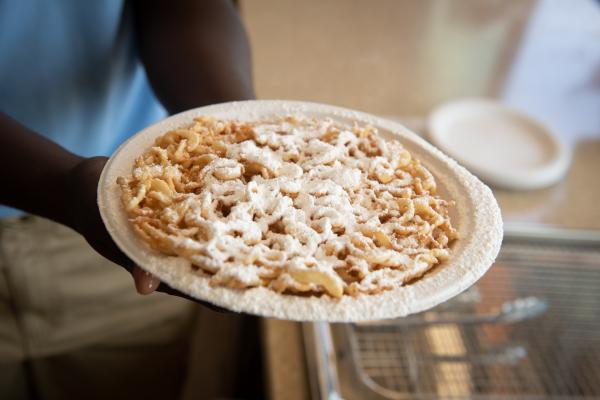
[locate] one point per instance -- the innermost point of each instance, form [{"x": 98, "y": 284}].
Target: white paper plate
[
  {"x": 502, "y": 146},
  {"x": 476, "y": 216}
]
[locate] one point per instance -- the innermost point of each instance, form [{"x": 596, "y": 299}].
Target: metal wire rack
[{"x": 529, "y": 329}]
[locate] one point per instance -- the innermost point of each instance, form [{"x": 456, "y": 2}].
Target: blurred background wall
[{"x": 390, "y": 57}]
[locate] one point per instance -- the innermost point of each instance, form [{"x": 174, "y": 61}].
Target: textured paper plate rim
[{"x": 476, "y": 216}]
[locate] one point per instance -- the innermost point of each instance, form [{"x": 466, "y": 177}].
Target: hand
[{"x": 85, "y": 219}]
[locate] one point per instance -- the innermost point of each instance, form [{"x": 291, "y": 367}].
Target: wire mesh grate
[{"x": 530, "y": 328}]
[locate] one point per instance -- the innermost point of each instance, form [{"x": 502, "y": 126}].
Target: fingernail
[{"x": 145, "y": 283}]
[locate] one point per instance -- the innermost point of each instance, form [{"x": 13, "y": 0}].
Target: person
[{"x": 76, "y": 79}]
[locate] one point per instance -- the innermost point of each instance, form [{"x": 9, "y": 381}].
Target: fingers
[{"x": 145, "y": 282}]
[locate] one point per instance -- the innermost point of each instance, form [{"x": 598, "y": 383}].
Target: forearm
[
  {"x": 34, "y": 171},
  {"x": 194, "y": 52}
]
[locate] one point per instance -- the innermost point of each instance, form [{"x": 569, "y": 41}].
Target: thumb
[{"x": 145, "y": 282}]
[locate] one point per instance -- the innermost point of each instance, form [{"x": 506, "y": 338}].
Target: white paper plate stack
[{"x": 502, "y": 146}]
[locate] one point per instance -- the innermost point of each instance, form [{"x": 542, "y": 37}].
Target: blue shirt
[{"x": 69, "y": 71}]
